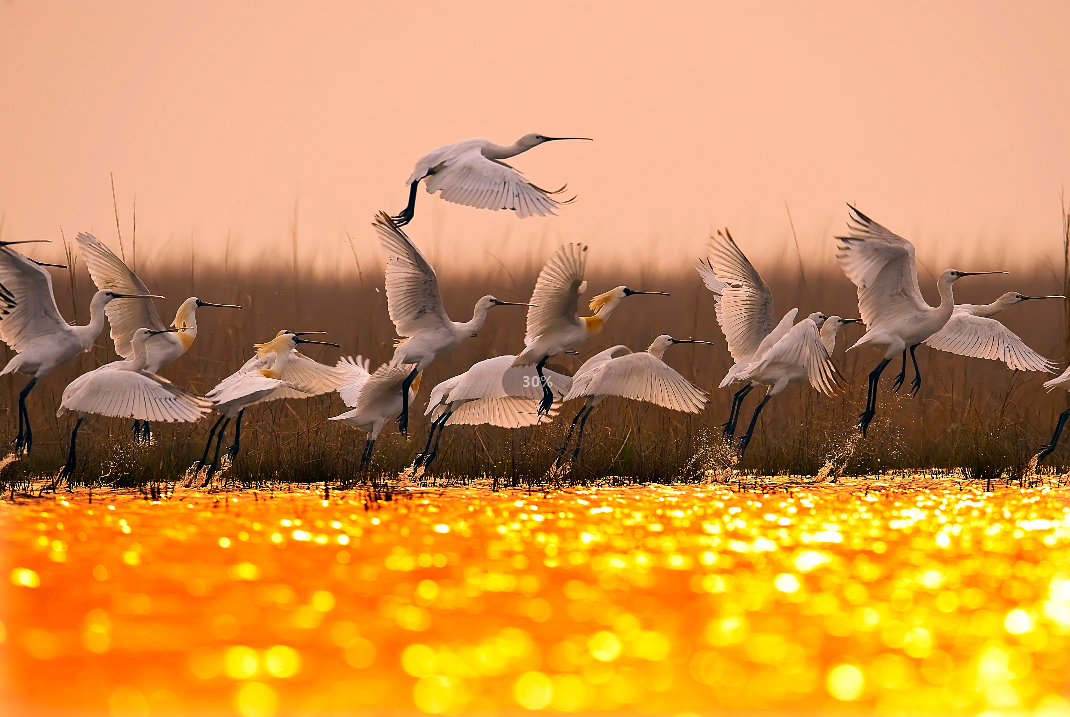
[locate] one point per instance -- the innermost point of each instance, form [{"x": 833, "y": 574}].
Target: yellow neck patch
[
  {"x": 594, "y": 324},
  {"x": 415, "y": 385},
  {"x": 186, "y": 340},
  {"x": 268, "y": 373},
  {"x": 276, "y": 344},
  {"x": 602, "y": 299}
]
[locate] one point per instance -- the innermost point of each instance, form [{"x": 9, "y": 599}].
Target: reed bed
[{"x": 970, "y": 414}]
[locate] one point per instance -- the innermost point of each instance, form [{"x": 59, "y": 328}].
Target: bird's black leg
[
  {"x": 208, "y": 446},
  {"x": 24, "y": 440},
  {"x": 898, "y": 383},
  {"x": 547, "y": 395},
  {"x": 403, "y": 419},
  {"x": 215, "y": 459},
  {"x": 579, "y": 436},
  {"x": 369, "y": 445},
  {"x": 406, "y": 214},
  {"x": 137, "y": 431},
  {"x": 745, "y": 441},
  {"x": 72, "y": 456},
  {"x": 434, "y": 451},
  {"x": 1055, "y": 437},
  {"x": 435, "y": 425},
  {"x": 915, "y": 385},
  {"x": 232, "y": 452},
  {"x": 733, "y": 416},
  {"x": 568, "y": 436},
  {"x": 871, "y": 397}
]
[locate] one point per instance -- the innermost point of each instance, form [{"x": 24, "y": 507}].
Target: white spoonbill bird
[
  {"x": 897, "y": 317},
  {"x": 375, "y": 398},
  {"x": 277, "y": 370},
  {"x": 127, "y": 389},
  {"x": 744, "y": 307},
  {"x": 642, "y": 376},
  {"x": 472, "y": 173},
  {"x": 415, "y": 306},
  {"x": 128, "y": 315},
  {"x": 492, "y": 392},
  {"x": 971, "y": 331},
  {"x": 32, "y": 325},
  {"x": 803, "y": 353},
  {"x": 554, "y": 326},
  {"x": 1062, "y": 381}
]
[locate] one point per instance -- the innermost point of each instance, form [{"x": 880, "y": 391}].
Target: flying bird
[
  {"x": 375, "y": 398},
  {"x": 971, "y": 331},
  {"x": 30, "y": 323},
  {"x": 554, "y": 326},
  {"x": 416, "y": 308},
  {"x": 128, "y": 315},
  {"x": 744, "y": 307},
  {"x": 642, "y": 376},
  {"x": 127, "y": 389},
  {"x": 897, "y": 317},
  {"x": 277, "y": 370},
  {"x": 492, "y": 392},
  {"x": 474, "y": 174}
]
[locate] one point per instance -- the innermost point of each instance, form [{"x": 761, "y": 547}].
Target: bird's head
[
  {"x": 534, "y": 140},
  {"x": 1013, "y": 297},
  {"x": 610, "y": 299},
  {"x": 952, "y": 275},
  {"x": 835, "y": 322},
  {"x": 818, "y": 318},
  {"x": 663, "y": 342},
  {"x": 488, "y": 302}
]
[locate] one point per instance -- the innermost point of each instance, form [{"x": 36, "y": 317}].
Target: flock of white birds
[{"x": 505, "y": 391}]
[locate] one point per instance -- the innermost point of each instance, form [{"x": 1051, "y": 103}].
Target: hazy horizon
[{"x": 944, "y": 123}]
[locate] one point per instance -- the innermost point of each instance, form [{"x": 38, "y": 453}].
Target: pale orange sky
[{"x": 947, "y": 122}]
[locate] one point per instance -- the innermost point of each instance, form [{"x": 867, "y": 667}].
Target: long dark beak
[
  {"x": 45, "y": 263},
  {"x": 653, "y": 293},
  {"x": 299, "y": 340},
  {"x": 163, "y": 331},
  {"x": 558, "y": 139},
  {"x": 851, "y": 321},
  {"x": 981, "y": 273},
  {"x": 309, "y": 333},
  {"x": 511, "y": 303},
  {"x": 1043, "y": 297},
  {"x": 25, "y": 241},
  {"x": 138, "y": 296},
  {"x": 222, "y": 306},
  {"x": 690, "y": 341}
]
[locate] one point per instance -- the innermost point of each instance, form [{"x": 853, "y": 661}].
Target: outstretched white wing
[
  {"x": 643, "y": 377},
  {"x": 557, "y": 291},
  {"x": 124, "y": 315},
  {"x": 800, "y": 347},
  {"x": 304, "y": 377},
  {"x": 412, "y": 294},
  {"x": 745, "y": 309},
  {"x": 133, "y": 394},
  {"x": 386, "y": 378},
  {"x": 590, "y": 368},
  {"x": 248, "y": 387},
  {"x": 980, "y": 337},
  {"x": 440, "y": 394},
  {"x": 355, "y": 373},
  {"x": 882, "y": 266},
  {"x": 505, "y": 412},
  {"x": 464, "y": 176},
  {"x": 31, "y": 306}
]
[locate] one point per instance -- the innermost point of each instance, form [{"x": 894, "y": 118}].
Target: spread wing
[
  {"x": 240, "y": 386},
  {"x": 505, "y": 412},
  {"x": 745, "y": 308},
  {"x": 590, "y": 369},
  {"x": 440, "y": 394},
  {"x": 386, "y": 378},
  {"x": 305, "y": 377},
  {"x": 354, "y": 373},
  {"x": 557, "y": 292},
  {"x": 882, "y": 266},
  {"x": 124, "y": 315},
  {"x": 980, "y": 337},
  {"x": 30, "y": 311},
  {"x": 469, "y": 178},
  {"x": 643, "y": 377},
  {"x": 133, "y": 394},
  {"x": 412, "y": 294},
  {"x": 801, "y": 346}
]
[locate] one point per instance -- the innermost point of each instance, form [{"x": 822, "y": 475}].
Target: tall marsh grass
[{"x": 970, "y": 414}]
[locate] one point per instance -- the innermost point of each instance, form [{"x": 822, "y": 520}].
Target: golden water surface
[{"x": 864, "y": 596}]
